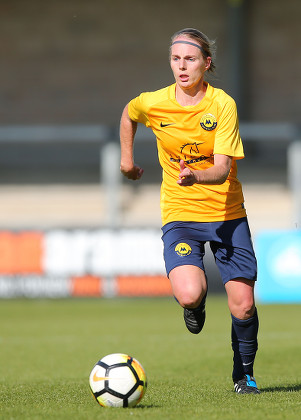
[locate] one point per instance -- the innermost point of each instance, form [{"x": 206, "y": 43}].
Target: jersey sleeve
[
  {"x": 137, "y": 110},
  {"x": 228, "y": 140}
]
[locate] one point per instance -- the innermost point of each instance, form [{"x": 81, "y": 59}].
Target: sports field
[{"x": 48, "y": 348}]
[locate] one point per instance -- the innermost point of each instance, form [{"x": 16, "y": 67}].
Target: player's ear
[{"x": 207, "y": 63}]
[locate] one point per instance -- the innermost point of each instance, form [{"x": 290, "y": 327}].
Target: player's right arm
[{"x": 128, "y": 130}]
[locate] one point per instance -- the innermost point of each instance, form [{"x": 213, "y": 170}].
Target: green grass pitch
[{"x": 48, "y": 348}]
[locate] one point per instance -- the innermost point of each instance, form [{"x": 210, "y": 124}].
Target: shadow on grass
[
  {"x": 146, "y": 406},
  {"x": 284, "y": 388}
]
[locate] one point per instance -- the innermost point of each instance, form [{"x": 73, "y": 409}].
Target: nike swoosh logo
[
  {"x": 105, "y": 378},
  {"x": 247, "y": 364},
  {"x": 166, "y": 125},
  {"x": 99, "y": 378}
]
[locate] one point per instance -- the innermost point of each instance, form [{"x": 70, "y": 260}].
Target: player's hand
[
  {"x": 133, "y": 173},
  {"x": 186, "y": 176}
]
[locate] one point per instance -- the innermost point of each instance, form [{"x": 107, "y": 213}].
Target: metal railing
[{"x": 107, "y": 138}]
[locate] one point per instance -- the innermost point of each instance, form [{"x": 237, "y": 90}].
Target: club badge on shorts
[{"x": 183, "y": 249}]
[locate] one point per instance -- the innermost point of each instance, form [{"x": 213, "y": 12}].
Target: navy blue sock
[{"x": 244, "y": 345}]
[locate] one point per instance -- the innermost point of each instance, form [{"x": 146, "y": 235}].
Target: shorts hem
[
  {"x": 246, "y": 277},
  {"x": 180, "y": 264}
]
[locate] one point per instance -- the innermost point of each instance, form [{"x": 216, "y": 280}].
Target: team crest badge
[
  {"x": 208, "y": 122},
  {"x": 183, "y": 249}
]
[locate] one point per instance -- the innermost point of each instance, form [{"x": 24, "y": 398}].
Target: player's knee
[
  {"x": 187, "y": 300},
  {"x": 244, "y": 310}
]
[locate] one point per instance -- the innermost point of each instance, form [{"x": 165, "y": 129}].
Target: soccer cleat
[
  {"x": 246, "y": 385},
  {"x": 195, "y": 318}
]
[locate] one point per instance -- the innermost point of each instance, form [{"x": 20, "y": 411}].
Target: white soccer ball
[{"x": 118, "y": 380}]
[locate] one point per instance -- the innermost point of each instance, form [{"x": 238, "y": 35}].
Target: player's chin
[{"x": 184, "y": 84}]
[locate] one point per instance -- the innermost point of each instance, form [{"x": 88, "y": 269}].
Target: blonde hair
[{"x": 207, "y": 46}]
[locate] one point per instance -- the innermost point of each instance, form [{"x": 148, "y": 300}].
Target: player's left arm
[{"x": 216, "y": 175}]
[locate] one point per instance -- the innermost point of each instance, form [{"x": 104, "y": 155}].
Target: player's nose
[{"x": 182, "y": 64}]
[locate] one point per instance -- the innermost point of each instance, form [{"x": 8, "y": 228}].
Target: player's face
[{"x": 188, "y": 64}]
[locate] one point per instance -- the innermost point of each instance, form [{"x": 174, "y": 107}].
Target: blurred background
[{"x": 69, "y": 224}]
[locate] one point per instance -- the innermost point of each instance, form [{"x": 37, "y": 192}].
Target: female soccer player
[{"x": 198, "y": 142}]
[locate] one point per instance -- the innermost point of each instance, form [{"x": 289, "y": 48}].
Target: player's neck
[{"x": 191, "y": 97}]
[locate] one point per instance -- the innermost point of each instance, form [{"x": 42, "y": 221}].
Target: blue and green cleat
[{"x": 246, "y": 385}]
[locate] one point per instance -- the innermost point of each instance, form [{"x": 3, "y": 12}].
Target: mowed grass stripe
[{"x": 48, "y": 348}]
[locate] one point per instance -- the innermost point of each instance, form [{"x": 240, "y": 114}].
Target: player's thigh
[
  {"x": 189, "y": 284},
  {"x": 182, "y": 246},
  {"x": 233, "y": 250}
]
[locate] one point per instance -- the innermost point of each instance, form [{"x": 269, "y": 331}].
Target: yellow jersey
[{"x": 194, "y": 134}]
